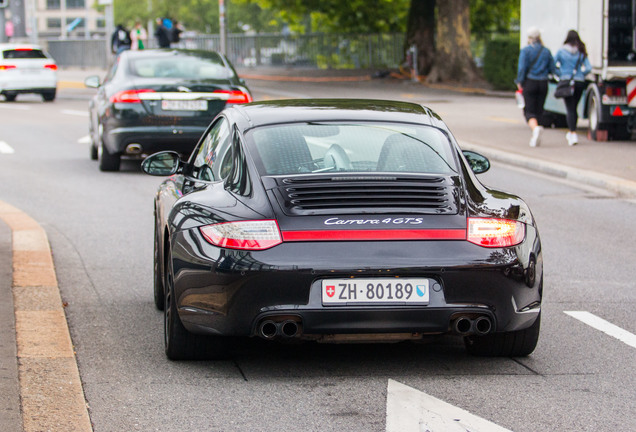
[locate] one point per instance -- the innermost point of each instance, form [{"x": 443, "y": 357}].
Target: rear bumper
[
  {"x": 152, "y": 139},
  {"x": 227, "y": 292}
]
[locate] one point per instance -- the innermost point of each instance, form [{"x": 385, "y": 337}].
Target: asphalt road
[{"x": 100, "y": 229}]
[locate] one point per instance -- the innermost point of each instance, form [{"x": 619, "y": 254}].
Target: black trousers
[
  {"x": 534, "y": 94},
  {"x": 571, "y": 103}
]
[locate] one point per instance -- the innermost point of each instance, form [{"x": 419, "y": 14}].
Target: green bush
[{"x": 500, "y": 62}]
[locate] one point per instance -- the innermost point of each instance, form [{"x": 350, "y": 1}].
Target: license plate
[
  {"x": 375, "y": 291},
  {"x": 184, "y": 105}
]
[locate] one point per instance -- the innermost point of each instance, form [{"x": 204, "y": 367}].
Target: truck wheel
[{"x": 597, "y": 131}]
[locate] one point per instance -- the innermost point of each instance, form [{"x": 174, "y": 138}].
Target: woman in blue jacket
[
  {"x": 571, "y": 60},
  {"x": 535, "y": 63}
]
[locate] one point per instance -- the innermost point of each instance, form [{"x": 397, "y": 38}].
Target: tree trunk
[
  {"x": 453, "y": 59},
  {"x": 421, "y": 33}
]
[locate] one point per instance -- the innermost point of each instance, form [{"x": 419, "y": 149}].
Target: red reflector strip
[
  {"x": 352, "y": 235},
  {"x": 5, "y": 67}
]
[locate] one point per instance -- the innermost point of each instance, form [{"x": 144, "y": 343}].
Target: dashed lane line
[
  {"x": 604, "y": 326},
  {"x": 6, "y": 148},
  {"x": 51, "y": 393},
  {"x": 75, "y": 113}
]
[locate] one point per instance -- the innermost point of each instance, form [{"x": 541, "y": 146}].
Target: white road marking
[
  {"x": 75, "y": 113},
  {"x": 84, "y": 140},
  {"x": 13, "y": 106},
  {"x": 6, "y": 148},
  {"x": 604, "y": 326},
  {"x": 410, "y": 410}
]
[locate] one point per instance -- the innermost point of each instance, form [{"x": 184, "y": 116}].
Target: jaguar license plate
[
  {"x": 184, "y": 105},
  {"x": 375, "y": 291}
]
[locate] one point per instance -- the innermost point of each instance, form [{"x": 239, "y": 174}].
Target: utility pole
[{"x": 222, "y": 25}]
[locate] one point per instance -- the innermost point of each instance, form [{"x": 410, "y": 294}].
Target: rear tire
[
  {"x": 49, "y": 96},
  {"x": 518, "y": 343},
  {"x": 94, "y": 152},
  {"x": 10, "y": 97},
  {"x": 180, "y": 344},
  {"x": 108, "y": 161}
]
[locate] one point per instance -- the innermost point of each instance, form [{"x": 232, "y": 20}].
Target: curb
[
  {"x": 51, "y": 393},
  {"x": 622, "y": 187}
]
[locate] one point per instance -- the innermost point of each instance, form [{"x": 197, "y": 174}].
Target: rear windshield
[
  {"x": 352, "y": 147},
  {"x": 23, "y": 53},
  {"x": 182, "y": 66}
]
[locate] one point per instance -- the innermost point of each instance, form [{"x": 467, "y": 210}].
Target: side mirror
[
  {"x": 164, "y": 163},
  {"x": 478, "y": 163},
  {"x": 92, "y": 81}
]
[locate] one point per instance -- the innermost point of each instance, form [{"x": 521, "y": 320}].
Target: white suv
[{"x": 26, "y": 69}]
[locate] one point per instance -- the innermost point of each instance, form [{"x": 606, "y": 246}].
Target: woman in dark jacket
[{"x": 535, "y": 64}]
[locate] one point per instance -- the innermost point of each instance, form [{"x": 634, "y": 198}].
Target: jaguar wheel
[{"x": 108, "y": 161}]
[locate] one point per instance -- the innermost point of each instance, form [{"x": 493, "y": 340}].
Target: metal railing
[{"x": 313, "y": 50}]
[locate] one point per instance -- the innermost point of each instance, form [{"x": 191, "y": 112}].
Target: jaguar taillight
[
  {"x": 129, "y": 96},
  {"x": 235, "y": 96},
  {"x": 489, "y": 232},
  {"x": 243, "y": 235}
]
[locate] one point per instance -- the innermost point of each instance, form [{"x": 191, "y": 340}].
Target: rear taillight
[
  {"x": 129, "y": 96},
  {"x": 615, "y": 91},
  {"x": 495, "y": 232},
  {"x": 236, "y": 96},
  {"x": 50, "y": 66},
  {"x": 244, "y": 235},
  {"x": 5, "y": 67}
]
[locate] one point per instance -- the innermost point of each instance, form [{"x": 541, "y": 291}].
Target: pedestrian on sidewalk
[
  {"x": 571, "y": 61},
  {"x": 535, "y": 64},
  {"x": 139, "y": 36},
  {"x": 120, "y": 40},
  {"x": 162, "y": 35}
]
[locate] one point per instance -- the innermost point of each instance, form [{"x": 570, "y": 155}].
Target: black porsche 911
[
  {"x": 336, "y": 221},
  {"x": 153, "y": 100}
]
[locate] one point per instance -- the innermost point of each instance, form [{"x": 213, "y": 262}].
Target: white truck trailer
[{"x": 608, "y": 29}]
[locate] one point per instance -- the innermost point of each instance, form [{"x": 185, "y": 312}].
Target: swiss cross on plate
[{"x": 330, "y": 290}]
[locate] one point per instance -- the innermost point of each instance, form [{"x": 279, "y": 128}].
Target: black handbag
[{"x": 565, "y": 88}]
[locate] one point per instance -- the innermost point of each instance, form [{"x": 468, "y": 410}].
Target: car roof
[
  {"x": 316, "y": 110},
  {"x": 12, "y": 46}
]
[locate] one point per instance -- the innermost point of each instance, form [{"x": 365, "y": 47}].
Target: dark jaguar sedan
[
  {"x": 155, "y": 100},
  {"x": 337, "y": 221}
]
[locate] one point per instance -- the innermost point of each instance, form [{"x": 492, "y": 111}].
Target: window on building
[
  {"x": 54, "y": 23},
  {"x": 101, "y": 23},
  {"x": 75, "y": 4},
  {"x": 53, "y": 4}
]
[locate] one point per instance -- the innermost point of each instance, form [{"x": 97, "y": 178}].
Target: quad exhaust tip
[
  {"x": 270, "y": 329},
  {"x": 465, "y": 325}
]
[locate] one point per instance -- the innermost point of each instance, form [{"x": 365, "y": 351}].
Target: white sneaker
[
  {"x": 536, "y": 136},
  {"x": 572, "y": 138}
]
